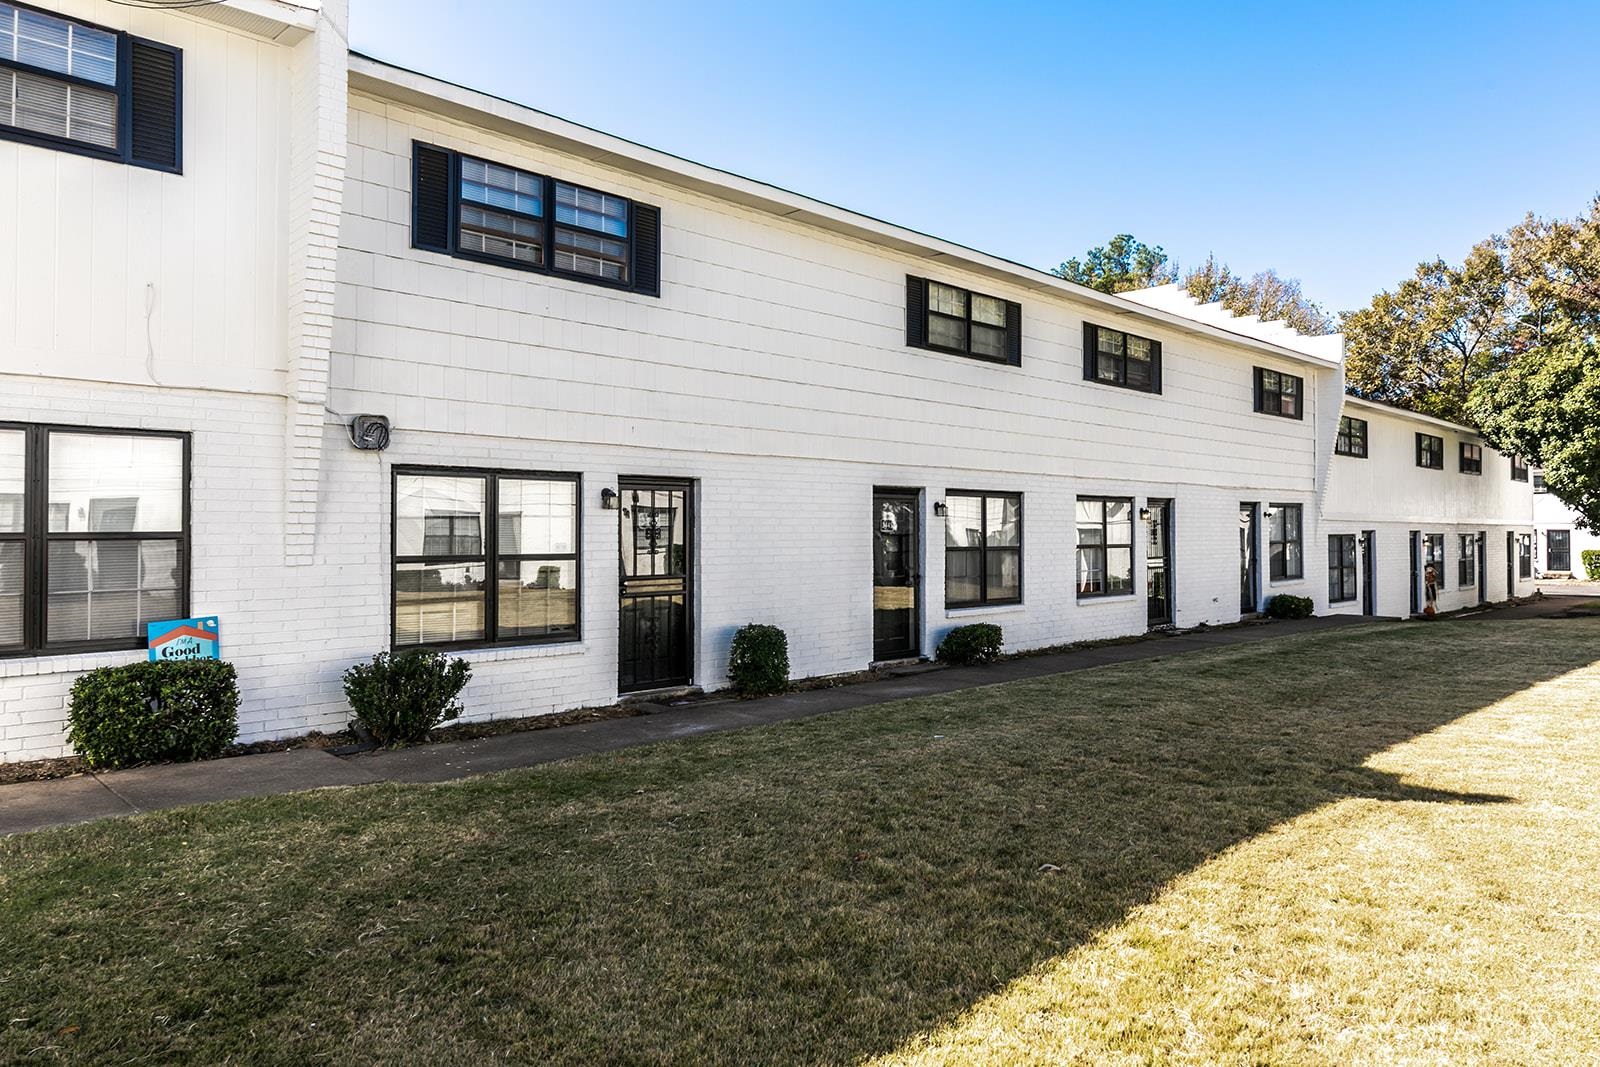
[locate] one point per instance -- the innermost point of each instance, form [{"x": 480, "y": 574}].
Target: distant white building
[
  {"x": 634, "y": 403},
  {"x": 1561, "y": 539}
]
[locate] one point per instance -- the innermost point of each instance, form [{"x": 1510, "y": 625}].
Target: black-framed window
[
  {"x": 1471, "y": 458},
  {"x": 1430, "y": 451},
  {"x": 982, "y": 548},
  {"x": 1467, "y": 561},
  {"x": 1433, "y": 556},
  {"x": 1114, "y": 357},
  {"x": 94, "y": 536},
  {"x": 1538, "y": 482},
  {"x": 1105, "y": 546},
  {"x": 478, "y": 209},
  {"x": 461, "y": 580},
  {"x": 79, "y": 87},
  {"x": 1519, "y": 469},
  {"x": 1352, "y": 440},
  {"x": 1279, "y": 394},
  {"x": 1341, "y": 568},
  {"x": 1285, "y": 549},
  {"x": 1524, "y": 555},
  {"x": 948, "y": 318}
]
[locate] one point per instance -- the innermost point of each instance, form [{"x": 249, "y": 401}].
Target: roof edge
[{"x": 388, "y": 80}]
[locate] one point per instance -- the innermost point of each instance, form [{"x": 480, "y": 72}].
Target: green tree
[
  {"x": 1266, "y": 294},
  {"x": 1121, "y": 264},
  {"x": 1545, "y": 405},
  {"x": 1440, "y": 332}
]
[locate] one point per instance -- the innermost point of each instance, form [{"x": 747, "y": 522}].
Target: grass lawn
[{"x": 1365, "y": 846}]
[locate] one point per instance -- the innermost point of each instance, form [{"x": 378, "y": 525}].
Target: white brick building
[{"x": 802, "y": 416}]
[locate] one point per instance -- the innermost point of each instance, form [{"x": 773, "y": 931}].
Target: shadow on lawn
[
  {"x": 779, "y": 898},
  {"x": 824, "y": 890}
]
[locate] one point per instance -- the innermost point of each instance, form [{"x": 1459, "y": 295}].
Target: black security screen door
[
  {"x": 1158, "y": 563},
  {"x": 654, "y": 637},
  {"x": 894, "y": 575},
  {"x": 1558, "y": 556}
]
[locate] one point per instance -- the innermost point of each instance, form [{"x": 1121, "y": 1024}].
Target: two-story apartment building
[
  {"x": 374, "y": 361},
  {"x": 1560, "y": 537}
]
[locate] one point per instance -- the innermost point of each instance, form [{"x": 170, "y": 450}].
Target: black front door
[
  {"x": 1369, "y": 572},
  {"x": 895, "y": 575},
  {"x": 656, "y": 533},
  {"x": 1158, "y": 562},
  {"x": 1483, "y": 567},
  {"x": 1558, "y": 551},
  {"x": 1248, "y": 565}
]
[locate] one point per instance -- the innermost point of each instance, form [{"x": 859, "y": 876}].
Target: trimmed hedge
[
  {"x": 154, "y": 712},
  {"x": 398, "y": 697},
  {"x": 1284, "y": 606},
  {"x": 1591, "y": 563},
  {"x": 977, "y": 642},
  {"x": 758, "y": 663}
]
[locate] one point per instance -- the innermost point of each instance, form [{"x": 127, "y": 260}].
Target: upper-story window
[
  {"x": 1117, "y": 358},
  {"x": 1352, "y": 439},
  {"x": 78, "y": 87},
  {"x": 1279, "y": 394},
  {"x": 478, "y": 209},
  {"x": 1430, "y": 451},
  {"x": 1471, "y": 458},
  {"x": 1519, "y": 469},
  {"x": 1538, "y": 482},
  {"x": 949, "y": 319}
]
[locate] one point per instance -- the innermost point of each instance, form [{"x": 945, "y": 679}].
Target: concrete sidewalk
[{"x": 37, "y": 805}]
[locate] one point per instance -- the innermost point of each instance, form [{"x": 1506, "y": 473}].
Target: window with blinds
[
  {"x": 70, "y": 85},
  {"x": 478, "y": 209}
]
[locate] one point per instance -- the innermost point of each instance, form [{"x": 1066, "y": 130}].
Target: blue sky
[{"x": 1337, "y": 143}]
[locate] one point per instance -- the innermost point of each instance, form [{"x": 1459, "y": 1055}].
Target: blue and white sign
[{"x": 181, "y": 639}]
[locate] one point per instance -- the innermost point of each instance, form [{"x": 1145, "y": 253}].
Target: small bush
[
  {"x": 977, "y": 642},
  {"x": 1591, "y": 563},
  {"x": 1284, "y": 606},
  {"x": 399, "y": 696},
  {"x": 759, "y": 661},
  {"x": 152, "y": 712}
]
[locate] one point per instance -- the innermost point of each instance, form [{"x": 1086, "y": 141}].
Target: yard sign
[{"x": 181, "y": 639}]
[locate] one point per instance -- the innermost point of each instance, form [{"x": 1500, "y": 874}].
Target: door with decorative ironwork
[
  {"x": 656, "y": 531},
  {"x": 895, "y": 545}
]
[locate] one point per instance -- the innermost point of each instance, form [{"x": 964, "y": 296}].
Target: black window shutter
[
  {"x": 430, "y": 198},
  {"x": 1260, "y": 402},
  {"x": 1155, "y": 366},
  {"x": 155, "y": 105},
  {"x": 1013, "y": 333},
  {"x": 1091, "y": 343},
  {"x": 647, "y": 249},
  {"x": 916, "y": 311}
]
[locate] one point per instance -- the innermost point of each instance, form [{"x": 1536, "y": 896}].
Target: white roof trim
[
  {"x": 524, "y": 123},
  {"x": 1405, "y": 413}
]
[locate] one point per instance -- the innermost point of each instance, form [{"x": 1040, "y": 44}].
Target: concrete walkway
[{"x": 36, "y": 805}]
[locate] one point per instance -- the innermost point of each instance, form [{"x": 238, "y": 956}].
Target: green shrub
[
  {"x": 399, "y": 696},
  {"x": 1591, "y": 563},
  {"x": 149, "y": 712},
  {"x": 1284, "y": 606},
  {"x": 759, "y": 661},
  {"x": 977, "y": 642}
]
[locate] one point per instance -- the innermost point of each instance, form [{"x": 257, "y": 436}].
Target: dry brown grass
[{"x": 1375, "y": 845}]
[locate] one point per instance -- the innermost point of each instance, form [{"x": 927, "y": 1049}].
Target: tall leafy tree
[
  {"x": 1121, "y": 264},
  {"x": 1266, "y": 294},
  {"x": 1545, "y": 405},
  {"x": 1426, "y": 343}
]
